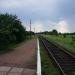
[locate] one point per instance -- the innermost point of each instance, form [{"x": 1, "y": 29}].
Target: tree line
[{"x": 56, "y": 33}]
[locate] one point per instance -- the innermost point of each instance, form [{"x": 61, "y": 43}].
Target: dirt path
[{"x": 23, "y": 56}]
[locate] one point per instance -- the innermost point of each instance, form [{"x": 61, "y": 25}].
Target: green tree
[
  {"x": 11, "y": 30},
  {"x": 54, "y": 32}
]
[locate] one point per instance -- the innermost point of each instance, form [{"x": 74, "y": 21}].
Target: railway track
[{"x": 63, "y": 59}]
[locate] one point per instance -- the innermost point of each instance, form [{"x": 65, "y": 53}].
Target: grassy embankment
[
  {"x": 66, "y": 42},
  {"x": 48, "y": 66}
]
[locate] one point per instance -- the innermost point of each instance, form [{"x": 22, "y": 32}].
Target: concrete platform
[{"x": 5, "y": 70}]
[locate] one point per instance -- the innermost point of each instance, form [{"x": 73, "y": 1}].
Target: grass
[
  {"x": 48, "y": 67},
  {"x": 66, "y": 42}
]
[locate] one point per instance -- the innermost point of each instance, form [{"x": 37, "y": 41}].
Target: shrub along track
[{"x": 63, "y": 59}]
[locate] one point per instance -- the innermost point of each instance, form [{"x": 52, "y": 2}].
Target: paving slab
[
  {"x": 3, "y": 73},
  {"x": 12, "y": 73},
  {"x": 14, "y": 69},
  {"x": 4, "y": 68},
  {"x": 29, "y": 72}
]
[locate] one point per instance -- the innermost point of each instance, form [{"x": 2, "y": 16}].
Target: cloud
[
  {"x": 62, "y": 26},
  {"x": 47, "y": 12},
  {"x": 40, "y": 26},
  {"x": 27, "y": 3},
  {"x": 9, "y": 3},
  {"x": 37, "y": 9}
]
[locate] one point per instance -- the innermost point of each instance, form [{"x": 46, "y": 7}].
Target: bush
[{"x": 11, "y": 30}]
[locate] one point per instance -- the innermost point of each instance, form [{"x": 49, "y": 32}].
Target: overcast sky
[{"x": 45, "y": 14}]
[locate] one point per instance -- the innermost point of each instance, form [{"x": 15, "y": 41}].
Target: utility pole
[
  {"x": 34, "y": 31},
  {"x": 30, "y": 28},
  {"x": 30, "y": 25}
]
